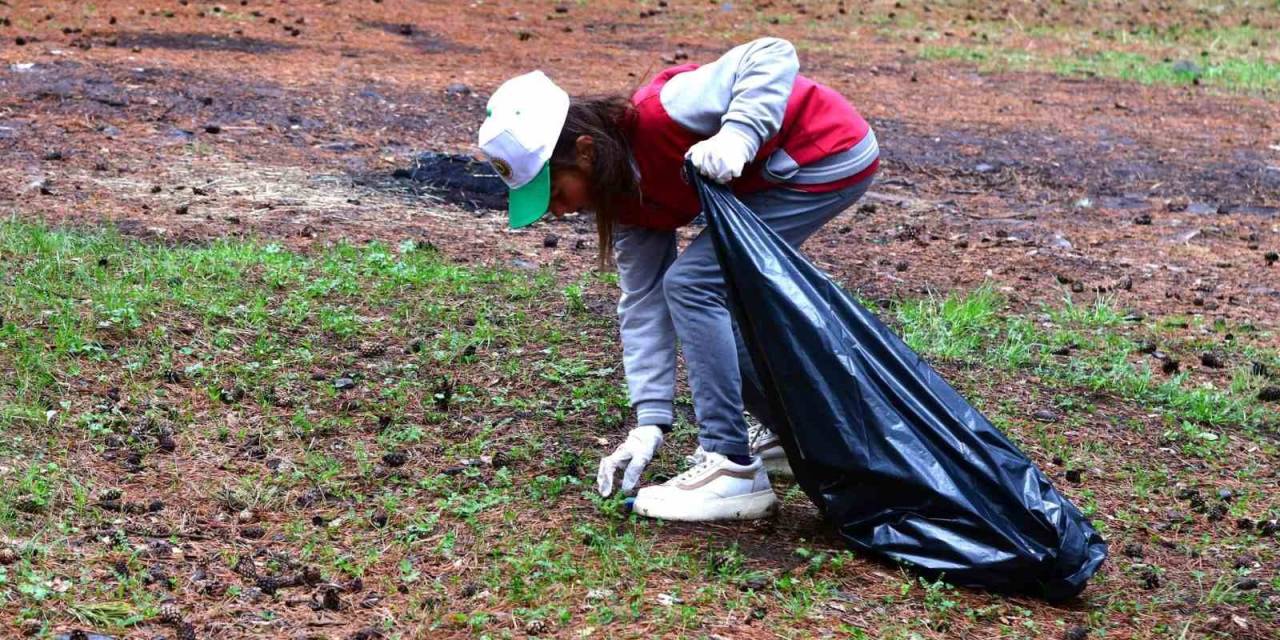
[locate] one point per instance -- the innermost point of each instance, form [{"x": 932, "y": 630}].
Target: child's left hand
[{"x": 722, "y": 156}]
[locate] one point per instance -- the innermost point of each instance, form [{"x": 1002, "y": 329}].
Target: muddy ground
[{"x": 301, "y": 122}]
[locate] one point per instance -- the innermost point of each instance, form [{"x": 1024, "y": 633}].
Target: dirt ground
[
  {"x": 183, "y": 122},
  {"x": 988, "y": 172}
]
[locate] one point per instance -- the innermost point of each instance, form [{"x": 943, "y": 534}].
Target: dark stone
[
  {"x": 551, "y": 241},
  {"x": 330, "y": 599},
  {"x": 1045, "y": 415},
  {"x": 212, "y": 128},
  {"x": 343, "y": 383},
  {"x": 1075, "y": 476}
]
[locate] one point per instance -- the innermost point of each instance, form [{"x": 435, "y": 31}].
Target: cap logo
[{"x": 501, "y": 166}]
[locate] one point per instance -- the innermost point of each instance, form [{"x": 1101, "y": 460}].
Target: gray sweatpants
[{"x": 665, "y": 296}]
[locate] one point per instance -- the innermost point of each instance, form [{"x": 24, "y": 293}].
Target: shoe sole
[{"x": 750, "y": 506}]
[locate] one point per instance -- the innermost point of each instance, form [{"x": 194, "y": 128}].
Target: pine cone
[
  {"x": 186, "y": 631},
  {"x": 372, "y": 349},
  {"x": 170, "y": 614}
]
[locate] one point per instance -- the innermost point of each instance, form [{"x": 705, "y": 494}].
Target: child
[{"x": 794, "y": 151}]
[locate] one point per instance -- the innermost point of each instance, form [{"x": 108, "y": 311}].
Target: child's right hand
[{"x": 633, "y": 455}]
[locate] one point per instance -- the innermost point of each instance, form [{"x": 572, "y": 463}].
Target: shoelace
[
  {"x": 693, "y": 471},
  {"x": 757, "y": 433}
]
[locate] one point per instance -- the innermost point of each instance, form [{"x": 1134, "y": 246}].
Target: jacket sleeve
[
  {"x": 746, "y": 89},
  {"x": 648, "y": 337}
]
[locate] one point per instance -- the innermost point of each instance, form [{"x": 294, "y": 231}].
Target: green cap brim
[{"x": 527, "y": 204}]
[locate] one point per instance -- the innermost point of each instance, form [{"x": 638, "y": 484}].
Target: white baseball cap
[{"x": 520, "y": 130}]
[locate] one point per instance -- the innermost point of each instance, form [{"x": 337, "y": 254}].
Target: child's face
[
  {"x": 571, "y": 184},
  {"x": 570, "y": 191}
]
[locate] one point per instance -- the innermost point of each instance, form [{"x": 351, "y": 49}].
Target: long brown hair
[{"x": 605, "y": 119}]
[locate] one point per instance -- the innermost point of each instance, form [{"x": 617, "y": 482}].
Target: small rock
[
  {"x": 1075, "y": 476},
  {"x": 1245, "y": 561},
  {"x": 457, "y": 89},
  {"x": 1225, "y": 495},
  {"x": 212, "y": 128},
  {"x": 1045, "y": 415},
  {"x": 1144, "y": 219},
  {"x": 343, "y": 383},
  {"x": 1211, "y": 360},
  {"x": 330, "y": 599}
]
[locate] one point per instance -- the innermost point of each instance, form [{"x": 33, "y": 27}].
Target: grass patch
[
  {"x": 377, "y": 413},
  {"x": 1227, "y": 73}
]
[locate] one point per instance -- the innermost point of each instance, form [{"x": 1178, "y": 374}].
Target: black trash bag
[{"x": 886, "y": 449}]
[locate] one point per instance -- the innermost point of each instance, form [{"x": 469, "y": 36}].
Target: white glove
[
  {"x": 634, "y": 453},
  {"x": 722, "y": 156}
]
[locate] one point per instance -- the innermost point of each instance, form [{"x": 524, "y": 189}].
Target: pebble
[{"x": 1045, "y": 415}]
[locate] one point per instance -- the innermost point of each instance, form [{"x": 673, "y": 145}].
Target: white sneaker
[
  {"x": 713, "y": 489},
  {"x": 765, "y": 445}
]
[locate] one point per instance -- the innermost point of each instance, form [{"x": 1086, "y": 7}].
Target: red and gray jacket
[{"x": 809, "y": 137}]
